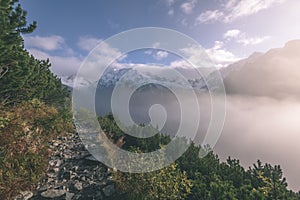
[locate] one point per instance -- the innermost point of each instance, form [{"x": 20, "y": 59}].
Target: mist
[
  {"x": 255, "y": 128},
  {"x": 262, "y": 111},
  {"x": 263, "y": 128}
]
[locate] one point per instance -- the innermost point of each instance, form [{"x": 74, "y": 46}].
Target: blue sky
[{"x": 228, "y": 29}]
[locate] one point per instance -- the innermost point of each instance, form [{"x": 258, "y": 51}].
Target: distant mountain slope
[{"x": 273, "y": 74}]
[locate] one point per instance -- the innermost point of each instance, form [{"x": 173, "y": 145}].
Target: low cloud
[
  {"x": 220, "y": 55},
  {"x": 262, "y": 111},
  {"x": 263, "y": 106},
  {"x": 49, "y": 43},
  {"x": 262, "y": 128}
]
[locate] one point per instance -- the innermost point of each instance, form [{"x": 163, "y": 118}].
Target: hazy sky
[{"x": 227, "y": 29}]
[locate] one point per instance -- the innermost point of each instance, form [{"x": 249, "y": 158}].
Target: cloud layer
[{"x": 263, "y": 111}]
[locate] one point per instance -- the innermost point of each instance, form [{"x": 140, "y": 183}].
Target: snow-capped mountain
[
  {"x": 275, "y": 71},
  {"x": 132, "y": 77},
  {"x": 69, "y": 81}
]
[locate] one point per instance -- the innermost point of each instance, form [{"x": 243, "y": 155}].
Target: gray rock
[
  {"x": 78, "y": 186},
  {"x": 58, "y": 163},
  {"x": 53, "y": 193},
  {"x": 55, "y": 144},
  {"x": 51, "y": 175},
  {"x": 56, "y": 169},
  {"x": 24, "y": 196},
  {"x": 91, "y": 158},
  {"x": 76, "y": 178},
  {"x": 69, "y": 196}
]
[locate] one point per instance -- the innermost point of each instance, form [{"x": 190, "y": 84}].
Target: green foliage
[
  {"x": 167, "y": 183},
  {"x": 22, "y": 77},
  {"x": 204, "y": 178},
  {"x": 34, "y": 106},
  {"x": 109, "y": 125}
]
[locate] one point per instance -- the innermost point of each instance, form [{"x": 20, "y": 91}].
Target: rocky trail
[{"x": 73, "y": 174}]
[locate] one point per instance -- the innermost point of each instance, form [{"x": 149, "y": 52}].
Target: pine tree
[{"x": 22, "y": 77}]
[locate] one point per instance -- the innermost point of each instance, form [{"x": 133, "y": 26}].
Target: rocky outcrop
[{"x": 72, "y": 174}]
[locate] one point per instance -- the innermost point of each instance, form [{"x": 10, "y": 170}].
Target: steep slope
[{"x": 274, "y": 74}]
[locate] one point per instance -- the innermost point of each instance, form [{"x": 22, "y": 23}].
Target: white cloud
[
  {"x": 188, "y": 7},
  {"x": 247, "y": 7},
  {"x": 69, "y": 64},
  {"x": 88, "y": 43},
  {"x": 158, "y": 55},
  {"x": 210, "y": 16},
  {"x": 119, "y": 65},
  {"x": 161, "y": 54},
  {"x": 232, "y": 33},
  {"x": 49, "y": 43},
  {"x": 234, "y": 9},
  {"x": 193, "y": 56},
  {"x": 242, "y": 38},
  {"x": 253, "y": 41},
  {"x": 220, "y": 55}
]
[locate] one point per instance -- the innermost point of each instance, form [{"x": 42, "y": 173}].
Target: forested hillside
[
  {"x": 191, "y": 177},
  {"x": 33, "y": 105}
]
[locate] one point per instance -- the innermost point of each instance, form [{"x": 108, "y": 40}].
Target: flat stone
[{"x": 53, "y": 193}]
